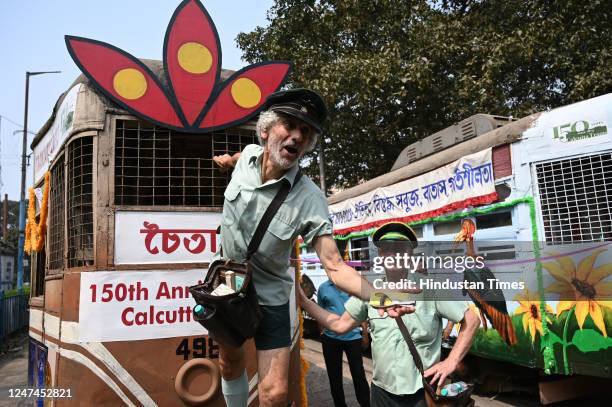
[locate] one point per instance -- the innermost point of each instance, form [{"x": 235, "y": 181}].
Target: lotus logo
[{"x": 194, "y": 100}]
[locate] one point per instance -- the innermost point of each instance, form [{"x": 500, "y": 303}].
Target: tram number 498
[{"x": 200, "y": 348}]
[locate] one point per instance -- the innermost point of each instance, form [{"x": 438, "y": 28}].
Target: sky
[{"x": 32, "y": 39}]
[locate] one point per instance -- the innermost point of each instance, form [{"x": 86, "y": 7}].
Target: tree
[{"x": 395, "y": 71}]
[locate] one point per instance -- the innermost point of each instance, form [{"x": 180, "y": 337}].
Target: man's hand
[
  {"x": 440, "y": 371},
  {"x": 226, "y": 161},
  {"x": 396, "y": 311}
]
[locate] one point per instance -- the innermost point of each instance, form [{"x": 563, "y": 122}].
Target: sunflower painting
[
  {"x": 529, "y": 308},
  {"x": 582, "y": 289}
]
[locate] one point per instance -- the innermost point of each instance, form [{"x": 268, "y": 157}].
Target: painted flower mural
[
  {"x": 582, "y": 289},
  {"x": 529, "y": 308},
  {"x": 194, "y": 100}
]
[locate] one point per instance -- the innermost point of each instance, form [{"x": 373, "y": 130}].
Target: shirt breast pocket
[
  {"x": 425, "y": 329},
  {"x": 230, "y": 209},
  {"x": 277, "y": 240}
]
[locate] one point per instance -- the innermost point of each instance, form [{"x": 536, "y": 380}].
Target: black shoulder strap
[
  {"x": 277, "y": 201},
  {"x": 413, "y": 351}
]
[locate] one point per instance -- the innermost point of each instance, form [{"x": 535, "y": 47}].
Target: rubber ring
[{"x": 180, "y": 385}]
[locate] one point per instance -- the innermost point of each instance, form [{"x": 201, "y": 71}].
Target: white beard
[{"x": 274, "y": 148}]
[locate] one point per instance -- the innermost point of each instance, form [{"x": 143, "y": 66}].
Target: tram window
[
  {"x": 80, "y": 198},
  {"x": 56, "y": 217},
  {"x": 37, "y": 263},
  {"x": 494, "y": 220},
  {"x": 160, "y": 167},
  {"x": 447, "y": 228},
  {"x": 359, "y": 251},
  {"x": 418, "y": 231}
]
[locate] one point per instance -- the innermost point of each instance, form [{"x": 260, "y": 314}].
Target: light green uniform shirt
[
  {"x": 394, "y": 368},
  {"x": 304, "y": 212}
]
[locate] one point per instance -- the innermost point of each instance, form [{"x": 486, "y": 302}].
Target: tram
[
  {"x": 133, "y": 211},
  {"x": 539, "y": 190}
]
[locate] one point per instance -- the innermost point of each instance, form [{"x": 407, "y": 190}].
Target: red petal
[
  {"x": 226, "y": 112},
  {"x": 107, "y": 66},
  {"x": 192, "y": 34}
]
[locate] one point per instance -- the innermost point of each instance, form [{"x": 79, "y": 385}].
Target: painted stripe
[
  {"x": 102, "y": 354},
  {"x": 253, "y": 382},
  {"x": 51, "y": 324},
  {"x": 36, "y": 319},
  {"x": 83, "y": 360},
  {"x": 80, "y": 358},
  {"x": 70, "y": 334},
  {"x": 252, "y": 397},
  {"x": 296, "y": 337},
  {"x": 36, "y": 336}
]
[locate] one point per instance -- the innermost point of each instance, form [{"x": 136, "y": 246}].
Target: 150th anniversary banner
[
  {"x": 467, "y": 181},
  {"x": 129, "y": 305}
]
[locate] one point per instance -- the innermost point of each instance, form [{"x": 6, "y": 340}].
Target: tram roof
[{"x": 499, "y": 136}]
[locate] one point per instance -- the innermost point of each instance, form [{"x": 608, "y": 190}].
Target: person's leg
[
  {"x": 355, "y": 361},
  {"x": 332, "y": 353},
  {"x": 234, "y": 380},
  {"x": 273, "y": 342},
  {"x": 273, "y": 368}
]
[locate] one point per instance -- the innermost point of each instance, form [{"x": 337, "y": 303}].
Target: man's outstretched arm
[
  {"x": 347, "y": 278},
  {"x": 341, "y": 274},
  {"x": 340, "y": 324}
]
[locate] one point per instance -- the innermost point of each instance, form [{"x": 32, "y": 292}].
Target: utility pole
[
  {"x": 5, "y": 218},
  {"x": 1, "y": 185},
  {"x": 23, "y": 179},
  {"x": 322, "y": 168}
]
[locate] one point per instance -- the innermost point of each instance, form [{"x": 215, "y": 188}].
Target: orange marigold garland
[
  {"x": 304, "y": 365},
  {"x": 35, "y": 232}
]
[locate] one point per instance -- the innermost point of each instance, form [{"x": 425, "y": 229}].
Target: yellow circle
[
  {"x": 194, "y": 58},
  {"x": 130, "y": 83},
  {"x": 246, "y": 93}
]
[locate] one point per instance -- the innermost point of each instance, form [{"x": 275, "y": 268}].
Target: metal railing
[{"x": 14, "y": 314}]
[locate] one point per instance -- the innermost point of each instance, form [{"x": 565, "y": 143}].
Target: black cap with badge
[{"x": 303, "y": 104}]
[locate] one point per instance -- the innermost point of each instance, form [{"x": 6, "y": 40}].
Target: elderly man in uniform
[
  {"x": 396, "y": 380},
  {"x": 287, "y": 128}
]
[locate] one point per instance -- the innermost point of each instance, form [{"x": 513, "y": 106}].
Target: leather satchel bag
[
  {"x": 433, "y": 399},
  {"x": 233, "y": 318}
]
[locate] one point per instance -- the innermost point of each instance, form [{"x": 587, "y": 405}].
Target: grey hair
[{"x": 269, "y": 118}]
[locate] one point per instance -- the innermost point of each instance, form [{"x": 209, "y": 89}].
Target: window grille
[
  {"x": 80, "y": 208},
  {"x": 56, "y": 217},
  {"x": 160, "y": 167},
  {"x": 576, "y": 199}
]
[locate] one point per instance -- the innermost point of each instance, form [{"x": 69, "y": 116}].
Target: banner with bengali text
[
  {"x": 466, "y": 182},
  {"x": 165, "y": 237}
]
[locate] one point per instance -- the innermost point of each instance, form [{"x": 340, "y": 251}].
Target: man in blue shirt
[{"x": 332, "y": 299}]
